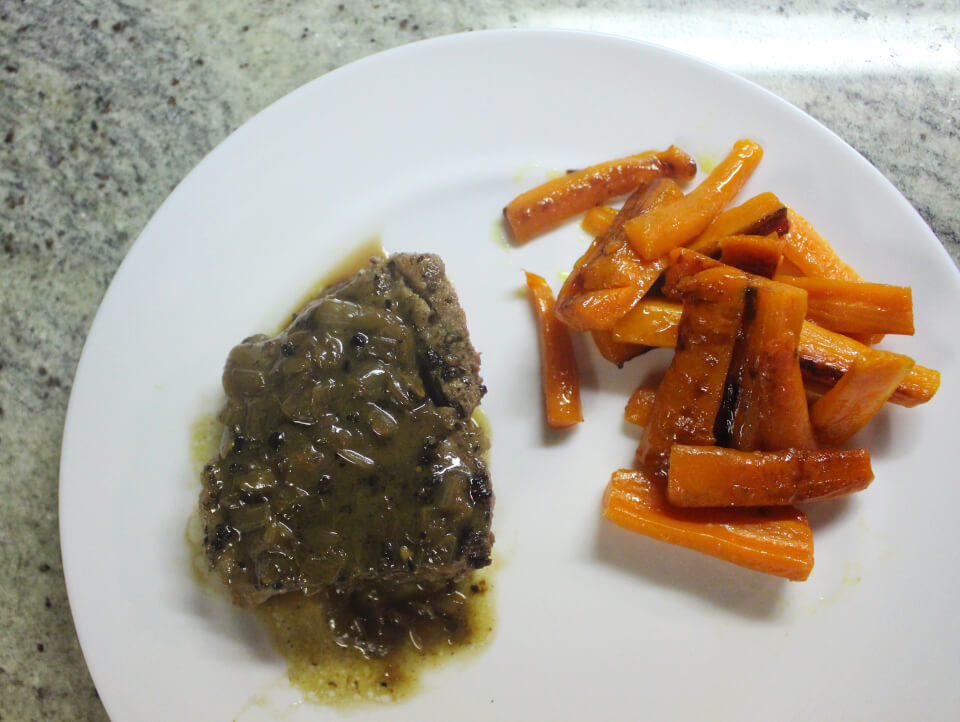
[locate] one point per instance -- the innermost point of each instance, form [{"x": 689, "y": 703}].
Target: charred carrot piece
[
  {"x": 558, "y": 364},
  {"x": 854, "y": 307},
  {"x": 824, "y": 355},
  {"x": 639, "y": 406},
  {"x": 684, "y": 263},
  {"x": 760, "y": 255},
  {"x": 859, "y": 394},
  {"x": 713, "y": 476},
  {"x": 759, "y": 216},
  {"x": 548, "y": 205},
  {"x": 775, "y": 541},
  {"x": 615, "y": 351},
  {"x": 689, "y": 397},
  {"x": 655, "y": 233},
  {"x": 598, "y": 219}
]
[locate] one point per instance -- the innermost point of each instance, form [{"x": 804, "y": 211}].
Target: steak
[{"x": 350, "y": 463}]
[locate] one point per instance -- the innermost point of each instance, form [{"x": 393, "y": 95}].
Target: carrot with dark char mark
[
  {"x": 761, "y": 215},
  {"x": 711, "y": 476},
  {"x": 548, "y": 205},
  {"x": 558, "y": 364},
  {"x": 775, "y": 541},
  {"x": 759, "y": 255},
  {"x": 616, "y": 352}
]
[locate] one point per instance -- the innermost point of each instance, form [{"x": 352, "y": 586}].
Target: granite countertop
[{"x": 105, "y": 106}]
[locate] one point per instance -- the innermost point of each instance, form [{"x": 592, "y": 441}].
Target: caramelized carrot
[
  {"x": 714, "y": 476},
  {"x": 655, "y": 233},
  {"x": 599, "y": 310},
  {"x": 691, "y": 392},
  {"x": 859, "y": 394},
  {"x": 852, "y": 307},
  {"x": 774, "y": 541},
  {"x": 808, "y": 250},
  {"x": 558, "y": 365},
  {"x": 824, "y": 355},
  {"x": 683, "y": 263},
  {"x": 598, "y": 219},
  {"x": 640, "y": 405},
  {"x": 759, "y": 216},
  {"x": 760, "y": 255},
  {"x": 616, "y": 351},
  {"x": 548, "y": 205}
]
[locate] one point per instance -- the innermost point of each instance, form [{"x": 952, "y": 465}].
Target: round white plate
[{"x": 424, "y": 144}]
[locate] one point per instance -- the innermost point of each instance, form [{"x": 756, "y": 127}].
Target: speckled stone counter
[{"x": 105, "y": 106}]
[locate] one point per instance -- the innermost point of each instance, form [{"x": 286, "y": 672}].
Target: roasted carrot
[
  {"x": 654, "y": 234},
  {"x": 713, "y": 476},
  {"x": 774, "y": 541},
  {"x": 615, "y": 351},
  {"x": 788, "y": 268},
  {"x": 599, "y": 310},
  {"x": 598, "y": 219},
  {"x": 824, "y": 355},
  {"x": 640, "y": 405},
  {"x": 548, "y": 205},
  {"x": 652, "y": 322},
  {"x": 558, "y": 365},
  {"x": 859, "y": 394},
  {"x": 761, "y": 215},
  {"x": 683, "y": 263},
  {"x": 760, "y": 255},
  {"x": 808, "y": 250},
  {"x": 853, "y": 307},
  {"x": 689, "y": 397}
]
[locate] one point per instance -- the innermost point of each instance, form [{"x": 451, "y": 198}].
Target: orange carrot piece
[
  {"x": 713, "y": 476},
  {"x": 640, "y": 405},
  {"x": 599, "y": 310},
  {"x": 775, "y": 541},
  {"x": 598, "y": 219},
  {"x": 824, "y": 355},
  {"x": 558, "y": 364},
  {"x": 759, "y": 216},
  {"x": 654, "y": 234},
  {"x": 684, "y": 263},
  {"x": 788, "y": 268},
  {"x": 859, "y": 394},
  {"x": 548, "y": 205},
  {"x": 853, "y": 307},
  {"x": 689, "y": 397},
  {"x": 808, "y": 250},
  {"x": 652, "y": 322},
  {"x": 760, "y": 255},
  {"x": 615, "y": 351}
]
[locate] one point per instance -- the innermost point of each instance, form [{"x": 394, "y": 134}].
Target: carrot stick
[
  {"x": 824, "y": 355},
  {"x": 599, "y": 310},
  {"x": 598, "y": 219},
  {"x": 859, "y": 394},
  {"x": 616, "y": 351},
  {"x": 760, "y": 255},
  {"x": 855, "y": 307},
  {"x": 558, "y": 365},
  {"x": 684, "y": 263},
  {"x": 808, "y": 250},
  {"x": 548, "y": 205},
  {"x": 640, "y": 405},
  {"x": 760, "y": 216},
  {"x": 689, "y": 397},
  {"x": 774, "y": 541},
  {"x": 655, "y": 233},
  {"x": 714, "y": 476}
]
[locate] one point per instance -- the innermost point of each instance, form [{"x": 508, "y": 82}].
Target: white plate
[{"x": 425, "y": 144}]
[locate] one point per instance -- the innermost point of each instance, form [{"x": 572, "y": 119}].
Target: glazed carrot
[
  {"x": 598, "y": 219},
  {"x": 558, "y": 365},
  {"x": 808, "y": 250},
  {"x": 599, "y": 310},
  {"x": 655, "y": 233},
  {"x": 652, "y": 322},
  {"x": 774, "y": 541},
  {"x": 853, "y": 307},
  {"x": 859, "y": 394},
  {"x": 713, "y": 476},
  {"x": 616, "y": 351},
  {"x": 788, "y": 268},
  {"x": 760, "y": 255},
  {"x": 610, "y": 263},
  {"x": 640, "y": 405},
  {"x": 689, "y": 397},
  {"x": 548, "y": 205},
  {"x": 761, "y": 215},
  {"x": 683, "y": 263},
  {"x": 824, "y": 355}
]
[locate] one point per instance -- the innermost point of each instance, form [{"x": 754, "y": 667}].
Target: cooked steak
[{"x": 350, "y": 464}]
